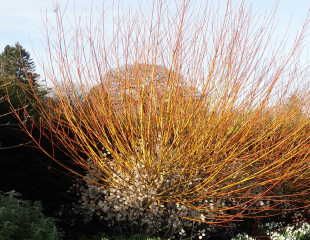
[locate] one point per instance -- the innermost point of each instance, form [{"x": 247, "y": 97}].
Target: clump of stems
[{"x": 194, "y": 103}]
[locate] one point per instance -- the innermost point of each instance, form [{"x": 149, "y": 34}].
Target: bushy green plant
[
  {"x": 134, "y": 237},
  {"x": 242, "y": 236},
  {"x": 23, "y": 220},
  {"x": 301, "y": 232},
  {"x": 104, "y": 237}
]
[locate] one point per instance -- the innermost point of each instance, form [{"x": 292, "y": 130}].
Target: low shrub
[
  {"x": 135, "y": 211},
  {"x": 104, "y": 237},
  {"x": 290, "y": 232},
  {"x": 23, "y": 220},
  {"x": 276, "y": 231},
  {"x": 301, "y": 232}
]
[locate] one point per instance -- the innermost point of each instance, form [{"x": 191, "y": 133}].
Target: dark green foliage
[
  {"x": 104, "y": 237},
  {"x": 305, "y": 237},
  {"x": 135, "y": 237},
  {"x": 23, "y": 220},
  {"x": 18, "y": 82},
  {"x": 31, "y": 173},
  {"x": 16, "y": 61}
]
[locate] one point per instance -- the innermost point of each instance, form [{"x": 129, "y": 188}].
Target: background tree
[
  {"x": 24, "y": 168},
  {"x": 18, "y": 80},
  {"x": 15, "y": 60}
]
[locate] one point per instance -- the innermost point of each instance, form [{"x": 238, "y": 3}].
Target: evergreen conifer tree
[{"x": 18, "y": 80}]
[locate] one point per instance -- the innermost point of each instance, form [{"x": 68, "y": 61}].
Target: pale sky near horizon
[{"x": 22, "y": 20}]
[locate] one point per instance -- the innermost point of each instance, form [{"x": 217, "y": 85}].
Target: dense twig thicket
[{"x": 183, "y": 107}]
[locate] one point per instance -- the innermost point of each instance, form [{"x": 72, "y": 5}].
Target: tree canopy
[{"x": 18, "y": 80}]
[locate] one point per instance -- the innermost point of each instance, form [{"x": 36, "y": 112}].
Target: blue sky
[{"x": 22, "y": 20}]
